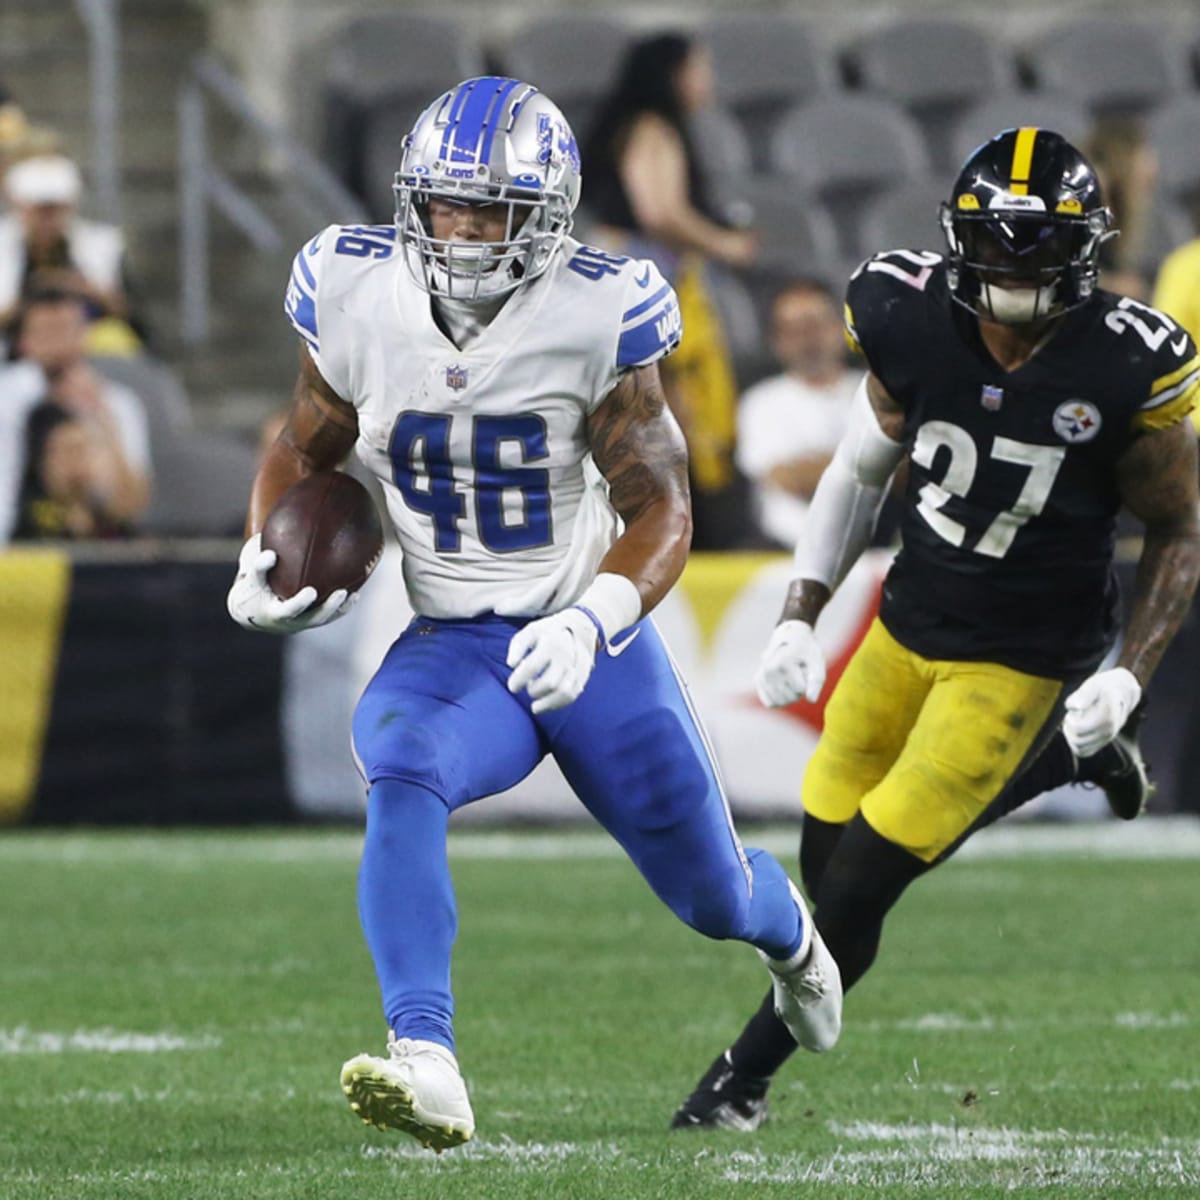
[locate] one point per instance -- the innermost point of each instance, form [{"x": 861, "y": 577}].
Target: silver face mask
[{"x": 487, "y": 141}]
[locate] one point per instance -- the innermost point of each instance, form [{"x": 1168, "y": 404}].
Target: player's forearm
[
  {"x": 652, "y": 551},
  {"x": 281, "y": 467},
  {"x": 1167, "y": 574},
  {"x": 805, "y": 600}
]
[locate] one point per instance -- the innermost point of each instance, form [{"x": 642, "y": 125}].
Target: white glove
[
  {"x": 1098, "y": 708},
  {"x": 251, "y": 602},
  {"x": 553, "y": 658},
  {"x": 792, "y": 665}
]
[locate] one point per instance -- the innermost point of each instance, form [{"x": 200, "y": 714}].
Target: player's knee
[{"x": 392, "y": 744}]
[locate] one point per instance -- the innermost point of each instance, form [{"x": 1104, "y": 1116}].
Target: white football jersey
[{"x": 482, "y": 452}]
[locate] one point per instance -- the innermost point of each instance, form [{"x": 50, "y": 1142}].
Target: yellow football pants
[{"x": 922, "y": 746}]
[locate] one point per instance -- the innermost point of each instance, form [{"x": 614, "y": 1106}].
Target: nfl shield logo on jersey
[
  {"x": 456, "y": 378},
  {"x": 1077, "y": 421},
  {"x": 991, "y": 397}
]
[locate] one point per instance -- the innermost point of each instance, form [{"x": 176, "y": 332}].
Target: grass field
[{"x": 174, "y": 1008}]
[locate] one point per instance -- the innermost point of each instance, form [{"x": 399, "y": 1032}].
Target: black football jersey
[{"x": 1010, "y": 509}]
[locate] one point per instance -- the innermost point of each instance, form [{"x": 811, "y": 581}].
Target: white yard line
[
  {"x": 23, "y": 1040},
  {"x": 1175, "y": 837}
]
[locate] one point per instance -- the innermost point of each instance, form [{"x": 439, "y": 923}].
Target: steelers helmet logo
[{"x": 1077, "y": 421}]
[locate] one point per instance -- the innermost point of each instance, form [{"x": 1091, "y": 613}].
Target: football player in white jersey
[{"x": 501, "y": 380}]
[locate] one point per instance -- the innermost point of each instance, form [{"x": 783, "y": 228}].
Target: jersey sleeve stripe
[
  {"x": 1157, "y": 399},
  {"x": 651, "y": 340},
  {"x": 306, "y": 272},
  {"x": 645, "y": 305},
  {"x": 300, "y": 305},
  {"x": 1166, "y": 381},
  {"x": 1167, "y": 414}
]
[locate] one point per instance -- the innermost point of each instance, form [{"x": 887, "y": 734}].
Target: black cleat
[
  {"x": 723, "y": 1099},
  {"x": 1119, "y": 770}
]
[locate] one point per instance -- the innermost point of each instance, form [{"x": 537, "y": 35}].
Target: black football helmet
[{"x": 1024, "y": 226}]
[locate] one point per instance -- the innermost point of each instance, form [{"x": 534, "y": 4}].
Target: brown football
[{"x": 326, "y": 533}]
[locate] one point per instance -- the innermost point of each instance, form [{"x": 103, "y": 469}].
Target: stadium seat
[
  {"x": 724, "y": 155},
  {"x": 573, "y": 59},
  {"x": 931, "y": 66},
  {"x": 1110, "y": 65},
  {"x": 387, "y": 62},
  {"x": 845, "y": 149},
  {"x": 1173, "y": 133},
  {"x": 905, "y": 217},
  {"x": 764, "y": 64},
  {"x": 844, "y": 142},
  {"x": 378, "y": 55},
  {"x": 202, "y": 478},
  {"x": 1010, "y": 110},
  {"x": 1168, "y": 226},
  {"x": 797, "y": 236}
]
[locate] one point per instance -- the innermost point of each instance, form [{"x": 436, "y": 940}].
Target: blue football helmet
[{"x": 487, "y": 141}]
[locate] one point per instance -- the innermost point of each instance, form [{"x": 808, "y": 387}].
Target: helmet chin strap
[{"x": 1016, "y": 306}]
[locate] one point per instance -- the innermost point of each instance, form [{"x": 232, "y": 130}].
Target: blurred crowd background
[{"x": 162, "y": 159}]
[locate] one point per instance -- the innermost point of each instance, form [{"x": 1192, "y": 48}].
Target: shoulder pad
[
  {"x": 329, "y": 264},
  {"x": 1174, "y": 365},
  {"x": 877, "y": 285},
  {"x": 651, "y": 324}
]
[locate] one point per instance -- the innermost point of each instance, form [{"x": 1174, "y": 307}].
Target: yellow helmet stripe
[{"x": 1022, "y": 160}]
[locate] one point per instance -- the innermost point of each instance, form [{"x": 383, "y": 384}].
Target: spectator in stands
[
  {"x": 72, "y": 483},
  {"x": 44, "y": 243},
  {"x": 50, "y": 334},
  {"x": 790, "y": 424},
  {"x": 649, "y": 196},
  {"x": 22, "y": 386},
  {"x": 1127, "y": 164}
]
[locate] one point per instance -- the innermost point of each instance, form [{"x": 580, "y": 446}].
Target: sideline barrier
[{"x": 128, "y": 695}]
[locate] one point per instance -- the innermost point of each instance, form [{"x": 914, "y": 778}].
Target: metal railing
[
  {"x": 203, "y": 183},
  {"x": 101, "y": 19}
]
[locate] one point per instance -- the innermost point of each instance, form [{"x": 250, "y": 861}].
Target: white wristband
[{"x": 613, "y": 602}]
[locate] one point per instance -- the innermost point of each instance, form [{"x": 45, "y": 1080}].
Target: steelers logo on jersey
[{"x": 1076, "y": 421}]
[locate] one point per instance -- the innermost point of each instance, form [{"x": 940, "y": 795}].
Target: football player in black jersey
[{"x": 1032, "y": 406}]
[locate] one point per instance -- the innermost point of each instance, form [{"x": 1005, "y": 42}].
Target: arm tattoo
[
  {"x": 1158, "y": 481},
  {"x": 321, "y": 427},
  {"x": 316, "y": 433},
  {"x": 638, "y": 446}
]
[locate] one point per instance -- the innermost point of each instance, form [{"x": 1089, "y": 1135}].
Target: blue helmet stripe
[
  {"x": 452, "y": 121},
  {"x": 472, "y": 120},
  {"x": 492, "y": 121}
]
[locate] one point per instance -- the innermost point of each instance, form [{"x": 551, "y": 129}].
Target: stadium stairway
[{"x": 245, "y": 370}]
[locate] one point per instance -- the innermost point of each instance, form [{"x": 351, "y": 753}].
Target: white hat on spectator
[{"x": 44, "y": 179}]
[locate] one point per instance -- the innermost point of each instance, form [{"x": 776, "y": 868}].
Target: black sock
[
  {"x": 863, "y": 879},
  {"x": 764, "y": 1045},
  {"x": 1052, "y": 768},
  {"x": 817, "y": 842}
]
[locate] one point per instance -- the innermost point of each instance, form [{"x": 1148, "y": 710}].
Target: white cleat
[
  {"x": 808, "y": 988},
  {"x": 416, "y": 1089}
]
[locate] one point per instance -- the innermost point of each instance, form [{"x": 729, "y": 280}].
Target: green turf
[{"x": 1030, "y": 1029}]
